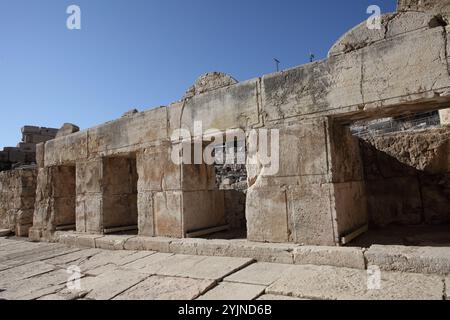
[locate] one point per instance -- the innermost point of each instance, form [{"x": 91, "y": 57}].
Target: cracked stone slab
[
  {"x": 44, "y": 254},
  {"x": 214, "y": 268},
  {"x": 74, "y": 258},
  {"x": 10, "y": 276},
  {"x": 112, "y": 242},
  {"x": 260, "y": 273},
  {"x": 103, "y": 258},
  {"x": 108, "y": 285},
  {"x": 36, "y": 287},
  {"x": 198, "y": 267},
  {"x": 149, "y": 265},
  {"x": 410, "y": 259},
  {"x": 29, "y": 251},
  {"x": 233, "y": 291},
  {"x": 331, "y": 283},
  {"x": 111, "y": 263},
  {"x": 167, "y": 288}
]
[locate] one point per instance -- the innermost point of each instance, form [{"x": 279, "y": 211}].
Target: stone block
[
  {"x": 330, "y": 256},
  {"x": 234, "y": 291},
  {"x": 350, "y": 205},
  {"x": 89, "y": 213},
  {"x": 146, "y": 224},
  {"x": 263, "y": 274},
  {"x": 168, "y": 214},
  {"x": 310, "y": 214},
  {"x": 158, "y": 244},
  {"x": 89, "y": 177},
  {"x": 431, "y": 260},
  {"x": 111, "y": 242},
  {"x": 130, "y": 133},
  {"x": 266, "y": 213},
  {"x": 40, "y": 155},
  {"x": 167, "y": 288},
  {"x": 331, "y": 283},
  {"x": 66, "y": 150},
  {"x": 156, "y": 170},
  {"x": 223, "y": 109}
]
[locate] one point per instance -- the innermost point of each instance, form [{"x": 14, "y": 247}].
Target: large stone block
[
  {"x": 89, "y": 213},
  {"x": 129, "y": 133},
  {"x": 310, "y": 213},
  {"x": 146, "y": 217},
  {"x": 66, "y": 150},
  {"x": 388, "y": 74},
  {"x": 168, "y": 211},
  {"x": 89, "y": 175},
  {"x": 223, "y": 109},
  {"x": 314, "y": 88},
  {"x": 267, "y": 218},
  {"x": 350, "y": 205},
  {"x": 156, "y": 170}
]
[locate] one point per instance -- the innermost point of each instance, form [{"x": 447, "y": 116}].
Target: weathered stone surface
[
  {"x": 146, "y": 243},
  {"x": 233, "y": 291},
  {"x": 167, "y": 288},
  {"x": 410, "y": 259},
  {"x": 150, "y": 265},
  {"x": 267, "y": 221},
  {"x": 330, "y": 283},
  {"x": 36, "y": 287},
  {"x": 67, "y": 129},
  {"x": 9, "y": 277},
  {"x": 259, "y": 273},
  {"x": 112, "y": 242},
  {"x": 110, "y": 284},
  {"x": 331, "y": 256},
  {"x": 208, "y": 82},
  {"x": 435, "y": 6},
  {"x": 310, "y": 214}
]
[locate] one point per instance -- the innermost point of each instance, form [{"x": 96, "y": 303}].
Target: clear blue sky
[{"x": 146, "y": 53}]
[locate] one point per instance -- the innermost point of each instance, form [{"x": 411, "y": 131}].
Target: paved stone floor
[{"x": 42, "y": 270}]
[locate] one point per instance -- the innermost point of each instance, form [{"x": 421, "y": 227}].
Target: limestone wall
[
  {"x": 17, "y": 198},
  {"x": 408, "y": 177},
  {"x": 318, "y": 196}
]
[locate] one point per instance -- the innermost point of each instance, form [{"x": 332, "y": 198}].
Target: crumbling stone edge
[{"x": 427, "y": 260}]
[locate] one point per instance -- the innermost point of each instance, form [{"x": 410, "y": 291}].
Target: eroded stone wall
[
  {"x": 408, "y": 177},
  {"x": 17, "y": 198}
]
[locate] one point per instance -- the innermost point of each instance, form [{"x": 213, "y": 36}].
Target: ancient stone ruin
[{"x": 333, "y": 183}]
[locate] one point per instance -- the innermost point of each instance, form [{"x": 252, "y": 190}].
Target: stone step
[{"x": 428, "y": 260}]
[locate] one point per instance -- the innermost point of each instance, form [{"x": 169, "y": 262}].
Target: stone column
[
  {"x": 89, "y": 198},
  {"x": 55, "y": 200},
  {"x": 309, "y": 200},
  {"x": 174, "y": 199}
]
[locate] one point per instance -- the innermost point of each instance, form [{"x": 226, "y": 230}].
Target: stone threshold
[{"x": 428, "y": 260}]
